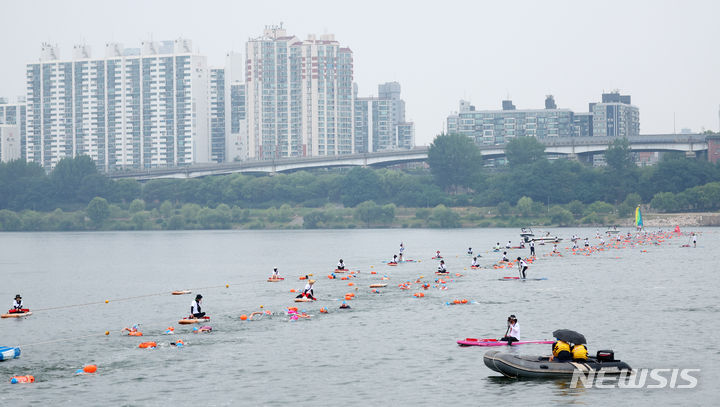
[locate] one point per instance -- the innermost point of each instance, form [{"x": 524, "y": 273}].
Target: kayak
[
  {"x": 341, "y": 271},
  {"x": 378, "y": 285},
  {"x": 275, "y": 280},
  {"x": 181, "y": 292},
  {"x": 9, "y": 352},
  {"x": 495, "y": 342},
  {"x": 512, "y": 365},
  {"x": 16, "y": 314},
  {"x": 188, "y": 321},
  {"x": 303, "y": 300}
]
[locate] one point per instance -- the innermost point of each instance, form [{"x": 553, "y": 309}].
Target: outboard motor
[{"x": 605, "y": 356}]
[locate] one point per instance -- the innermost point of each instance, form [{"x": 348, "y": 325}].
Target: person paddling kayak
[
  {"x": 195, "y": 310},
  {"x": 17, "y": 306},
  {"x": 512, "y": 334},
  {"x": 308, "y": 290}
]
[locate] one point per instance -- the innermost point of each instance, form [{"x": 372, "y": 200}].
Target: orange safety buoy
[
  {"x": 90, "y": 369},
  {"x": 148, "y": 345},
  {"x": 243, "y": 317},
  {"x": 135, "y": 333}
]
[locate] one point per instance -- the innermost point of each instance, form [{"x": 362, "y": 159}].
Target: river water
[{"x": 655, "y": 305}]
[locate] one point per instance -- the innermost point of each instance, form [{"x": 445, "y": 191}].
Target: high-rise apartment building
[
  {"x": 134, "y": 108},
  {"x": 236, "y": 129},
  {"x": 217, "y": 107},
  {"x": 615, "y": 116},
  {"x": 299, "y": 96},
  {"x": 380, "y": 121},
  {"x": 14, "y": 114},
  {"x": 9, "y": 142}
]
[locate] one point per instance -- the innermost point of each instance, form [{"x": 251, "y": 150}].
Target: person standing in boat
[
  {"x": 522, "y": 267},
  {"x": 17, "y": 304},
  {"x": 341, "y": 265},
  {"x": 532, "y": 248},
  {"x": 195, "y": 310},
  {"x": 512, "y": 334}
]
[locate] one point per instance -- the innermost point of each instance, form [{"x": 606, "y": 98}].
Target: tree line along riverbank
[{"x": 529, "y": 190}]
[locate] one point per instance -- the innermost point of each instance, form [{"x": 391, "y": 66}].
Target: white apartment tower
[
  {"x": 299, "y": 96},
  {"x": 134, "y": 108}
]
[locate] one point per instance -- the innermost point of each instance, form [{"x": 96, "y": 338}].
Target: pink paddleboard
[{"x": 494, "y": 342}]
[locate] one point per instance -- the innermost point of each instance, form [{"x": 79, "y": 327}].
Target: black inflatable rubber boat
[{"x": 512, "y": 365}]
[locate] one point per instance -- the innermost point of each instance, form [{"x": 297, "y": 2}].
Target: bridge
[{"x": 575, "y": 146}]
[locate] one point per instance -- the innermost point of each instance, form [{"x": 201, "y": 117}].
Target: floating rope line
[{"x": 122, "y": 299}]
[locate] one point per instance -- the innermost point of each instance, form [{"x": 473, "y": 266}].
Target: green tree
[
  {"x": 67, "y": 177},
  {"x": 166, "y": 209},
  {"x": 139, "y": 219},
  {"x": 359, "y": 185},
  {"x": 368, "y": 212},
  {"x": 454, "y": 161},
  {"x": 561, "y": 216},
  {"x": 98, "y": 210},
  {"x": 176, "y": 222},
  {"x": 524, "y": 150},
  {"x": 445, "y": 217},
  {"x": 619, "y": 155},
  {"x": 10, "y": 221},
  {"x": 387, "y": 214},
  {"x": 503, "y": 208},
  {"x": 576, "y": 207},
  {"x": 137, "y": 205},
  {"x": 313, "y": 219},
  {"x": 525, "y": 206}
]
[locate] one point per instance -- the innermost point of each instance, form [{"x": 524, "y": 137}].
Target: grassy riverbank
[{"x": 366, "y": 215}]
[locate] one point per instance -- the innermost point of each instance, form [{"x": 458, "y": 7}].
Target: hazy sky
[{"x": 666, "y": 54}]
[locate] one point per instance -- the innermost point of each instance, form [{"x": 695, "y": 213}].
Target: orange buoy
[
  {"x": 90, "y": 369},
  {"x": 147, "y": 345},
  {"x": 456, "y": 302},
  {"x": 243, "y": 317},
  {"x": 293, "y": 290},
  {"x": 323, "y": 311},
  {"x": 135, "y": 333},
  {"x": 22, "y": 379},
  {"x": 351, "y": 284},
  {"x": 303, "y": 278},
  {"x": 373, "y": 272},
  {"x": 464, "y": 301}
]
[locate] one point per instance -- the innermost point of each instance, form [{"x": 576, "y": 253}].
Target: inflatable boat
[
  {"x": 8, "y": 352},
  {"x": 523, "y": 366}
]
